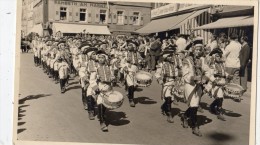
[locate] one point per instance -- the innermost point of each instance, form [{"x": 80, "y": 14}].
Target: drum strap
[
  {"x": 164, "y": 91},
  {"x": 215, "y": 93},
  {"x": 191, "y": 94}
]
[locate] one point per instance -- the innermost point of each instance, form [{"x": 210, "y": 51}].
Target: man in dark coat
[
  {"x": 245, "y": 54},
  {"x": 155, "y": 52}
]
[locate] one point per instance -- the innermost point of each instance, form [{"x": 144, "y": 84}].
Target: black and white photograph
[{"x": 136, "y": 72}]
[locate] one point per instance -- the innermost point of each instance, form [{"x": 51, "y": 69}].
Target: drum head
[
  {"x": 234, "y": 87},
  {"x": 143, "y": 79},
  {"x": 142, "y": 75},
  {"x": 114, "y": 96}
]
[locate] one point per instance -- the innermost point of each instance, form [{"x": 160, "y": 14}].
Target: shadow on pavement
[
  {"x": 20, "y": 130},
  {"x": 175, "y": 111},
  {"x": 116, "y": 118},
  {"x": 203, "y": 120},
  {"x": 21, "y": 109},
  {"x": 138, "y": 89},
  {"x": 204, "y": 106},
  {"x": 75, "y": 82},
  {"x": 31, "y": 97},
  {"x": 21, "y": 123},
  {"x": 144, "y": 100},
  {"x": 220, "y": 138},
  {"x": 231, "y": 113},
  {"x": 71, "y": 88}
]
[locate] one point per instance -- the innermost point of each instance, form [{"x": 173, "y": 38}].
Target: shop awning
[
  {"x": 197, "y": 13},
  {"x": 232, "y": 8},
  {"x": 78, "y": 28},
  {"x": 36, "y": 29},
  {"x": 229, "y": 22},
  {"x": 164, "y": 24}
]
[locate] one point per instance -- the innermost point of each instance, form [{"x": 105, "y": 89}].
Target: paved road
[{"x": 47, "y": 115}]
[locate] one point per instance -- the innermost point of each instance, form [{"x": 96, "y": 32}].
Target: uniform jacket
[{"x": 192, "y": 90}]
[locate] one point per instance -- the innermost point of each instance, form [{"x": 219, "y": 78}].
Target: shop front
[
  {"x": 180, "y": 21},
  {"x": 70, "y": 29},
  {"x": 231, "y": 19}
]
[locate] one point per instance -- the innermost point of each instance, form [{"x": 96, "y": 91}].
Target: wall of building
[
  {"x": 93, "y": 13},
  {"x": 27, "y": 16},
  {"x": 145, "y": 18},
  {"x": 38, "y": 13},
  {"x": 24, "y": 18}
]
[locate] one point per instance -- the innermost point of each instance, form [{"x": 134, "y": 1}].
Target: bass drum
[
  {"x": 113, "y": 99},
  {"x": 143, "y": 78}
]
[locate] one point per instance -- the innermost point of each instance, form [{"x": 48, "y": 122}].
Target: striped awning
[
  {"x": 79, "y": 28},
  {"x": 197, "y": 13},
  {"x": 163, "y": 24},
  {"x": 229, "y": 22}
]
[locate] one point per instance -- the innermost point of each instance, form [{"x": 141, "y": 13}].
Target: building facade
[
  {"x": 27, "y": 16},
  {"x": 119, "y": 17},
  {"x": 178, "y": 19},
  {"x": 199, "y": 20},
  {"x": 226, "y": 12}
]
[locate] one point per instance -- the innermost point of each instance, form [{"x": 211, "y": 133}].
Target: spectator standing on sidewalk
[
  {"x": 244, "y": 60},
  {"x": 231, "y": 54},
  {"x": 155, "y": 52}
]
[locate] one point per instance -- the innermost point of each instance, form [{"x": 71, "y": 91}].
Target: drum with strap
[
  {"x": 233, "y": 90},
  {"x": 143, "y": 78},
  {"x": 112, "y": 99},
  {"x": 178, "y": 89}
]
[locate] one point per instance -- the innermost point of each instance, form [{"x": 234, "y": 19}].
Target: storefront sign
[
  {"x": 82, "y": 4},
  {"x": 167, "y": 9},
  {"x": 170, "y": 8}
]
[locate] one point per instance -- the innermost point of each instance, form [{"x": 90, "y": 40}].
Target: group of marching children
[
  {"x": 200, "y": 72},
  {"x": 100, "y": 64},
  {"x": 53, "y": 57}
]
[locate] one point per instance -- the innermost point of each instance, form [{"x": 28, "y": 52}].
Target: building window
[
  {"x": 63, "y": 13},
  {"x": 120, "y": 17},
  {"x": 102, "y": 16},
  {"x": 82, "y": 15},
  {"x": 136, "y": 18}
]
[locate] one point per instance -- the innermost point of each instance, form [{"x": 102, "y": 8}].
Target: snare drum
[
  {"x": 113, "y": 99},
  {"x": 143, "y": 79},
  {"x": 233, "y": 90},
  {"x": 179, "y": 91}
]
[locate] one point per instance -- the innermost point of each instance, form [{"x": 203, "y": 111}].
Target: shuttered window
[
  {"x": 136, "y": 18},
  {"x": 82, "y": 15},
  {"x": 102, "y": 17},
  {"x": 63, "y": 13},
  {"x": 120, "y": 17}
]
